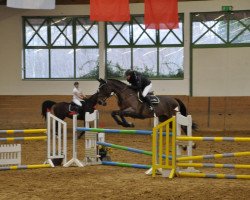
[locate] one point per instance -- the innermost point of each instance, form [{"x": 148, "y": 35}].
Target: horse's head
[
  {"x": 104, "y": 90},
  {"x": 92, "y": 101},
  {"x": 100, "y": 100}
]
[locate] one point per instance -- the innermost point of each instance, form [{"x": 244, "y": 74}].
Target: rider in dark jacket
[{"x": 141, "y": 84}]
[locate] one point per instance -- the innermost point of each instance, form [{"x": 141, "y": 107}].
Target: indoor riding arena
[{"x": 193, "y": 144}]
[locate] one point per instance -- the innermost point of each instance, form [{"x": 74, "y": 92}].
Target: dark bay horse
[
  {"x": 131, "y": 106},
  {"x": 61, "y": 109}
]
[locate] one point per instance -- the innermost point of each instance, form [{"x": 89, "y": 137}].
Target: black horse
[
  {"x": 131, "y": 106},
  {"x": 62, "y": 109}
]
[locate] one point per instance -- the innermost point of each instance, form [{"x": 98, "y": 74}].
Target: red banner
[
  {"x": 161, "y": 14},
  {"x": 109, "y": 10}
]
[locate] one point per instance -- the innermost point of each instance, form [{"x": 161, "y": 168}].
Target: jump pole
[
  {"x": 125, "y": 148},
  {"x": 28, "y": 131},
  {"x": 203, "y": 175},
  {"x": 25, "y": 167},
  {"x": 213, "y": 156},
  {"x": 214, "y": 165},
  {"x": 214, "y": 139},
  {"x": 122, "y": 131},
  {"x": 11, "y": 139},
  {"x": 131, "y": 165},
  {"x": 121, "y": 164}
]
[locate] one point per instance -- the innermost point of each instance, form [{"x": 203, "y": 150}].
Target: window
[
  {"x": 156, "y": 53},
  {"x": 60, "y": 48},
  {"x": 221, "y": 28}
]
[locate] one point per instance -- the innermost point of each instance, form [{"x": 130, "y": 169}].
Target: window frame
[
  {"x": 227, "y": 43},
  {"x": 158, "y": 45},
  {"x": 49, "y": 46}
]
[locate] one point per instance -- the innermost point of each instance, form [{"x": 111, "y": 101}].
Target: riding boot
[{"x": 147, "y": 100}]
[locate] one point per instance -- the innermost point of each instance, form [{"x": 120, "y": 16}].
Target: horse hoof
[
  {"x": 194, "y": 146},
  {"x": 80, "y": 135},
  {"x": 126, "y": 125},
  {"x": 131, "y": 125},
  {"x": 184, "y": 148}
]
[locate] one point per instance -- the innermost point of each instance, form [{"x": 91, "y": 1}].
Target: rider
[
  {"x": 140, "y": 83},
  {"x": 78, "y": 96}
]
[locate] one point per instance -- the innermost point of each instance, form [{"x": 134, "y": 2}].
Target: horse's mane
[{"x": 118, "y": 82}]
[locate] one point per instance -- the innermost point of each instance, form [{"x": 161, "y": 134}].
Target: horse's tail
[
  {"x": 183, "y": 111},
  {"x": 46, "y": 105}
]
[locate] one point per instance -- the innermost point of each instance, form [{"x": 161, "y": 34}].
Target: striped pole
[
  {"x": 120, "y": 164},
  {"x": 24, "y": 131},
  {"x": 125, "y": 148},
  {"x": 214, "y": 139},
  {"x": 10, "y": 139},
  {"x": 213, "y": 165},
  {"x": 203, "y": 175},
  {"x": 25, "y": 167},
  {"x": 122, "y": 131},
  {"x": 212, "y": 156}
]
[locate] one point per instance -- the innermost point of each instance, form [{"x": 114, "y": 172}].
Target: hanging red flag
[
  {"x": 109, "y": 10},
  {"x": 161, "y": 14}
]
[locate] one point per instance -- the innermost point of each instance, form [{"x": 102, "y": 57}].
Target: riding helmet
[{"x": 128, "y": 72}]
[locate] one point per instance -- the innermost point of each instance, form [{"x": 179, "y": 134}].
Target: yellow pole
[
  {"x": 212, "y": 156},
  {"x": 154, "y": 152},
  {"x": 25, "y": 167},
  {"x": 214, "y": 139},
  {"x": 28, "y": 131},
  {"x": 202, "y": 175},
  {"x": 11, "y": 139},
  {"x": 173, "y": 171},
  {"x": 214, "y": 165}
]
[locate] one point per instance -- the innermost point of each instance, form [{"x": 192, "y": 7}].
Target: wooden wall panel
[
  {"x": 237, "y": 115},
  {"x": 198, "y": 108},
  {"x": 214, "y": 113}
]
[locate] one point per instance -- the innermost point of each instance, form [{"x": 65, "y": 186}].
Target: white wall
[
  {"x": 221, "y": 72},
  {"x": 11, "y": 82}
]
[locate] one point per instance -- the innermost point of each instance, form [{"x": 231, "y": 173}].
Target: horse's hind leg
[{"x": 80, "y": 135}]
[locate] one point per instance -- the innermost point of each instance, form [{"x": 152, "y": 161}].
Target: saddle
[
  {"x": 73, "y": 107},
  {"x": 154, "y": 99}
]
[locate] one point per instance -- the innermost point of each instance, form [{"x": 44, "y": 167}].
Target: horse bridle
[{"x": 111, "y": 93}]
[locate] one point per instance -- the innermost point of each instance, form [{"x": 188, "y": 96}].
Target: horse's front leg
[
  {"x": 129, "y": 113},
  {"x": 124, "y": 121},
  {"x": 81, "y": 133},
  {"x": 114, "y": 114}
]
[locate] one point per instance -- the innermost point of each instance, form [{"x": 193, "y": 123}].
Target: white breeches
[
  {"x": 147, "y": 90},
  {"x": 77, "y": 102}
]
